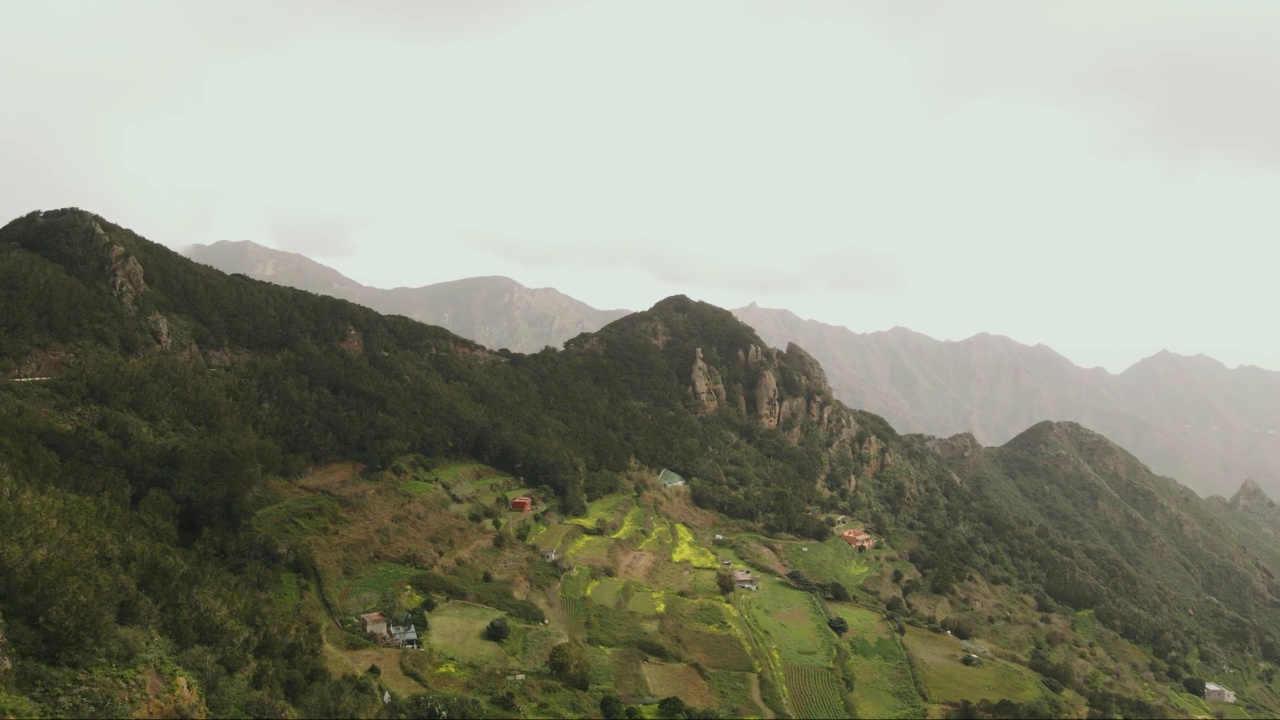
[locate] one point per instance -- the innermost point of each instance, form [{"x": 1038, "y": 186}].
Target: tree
[
  {"x": 725, "y": 582},
  {"x": 839, "y": 625},
  {"x": 611, "y": 707},
  {"x": 837, "y": 591},
  {"x": 1193, "y": 685},
  {"x": 498, "y": 629},
  {"x": 671, "y": 707}
]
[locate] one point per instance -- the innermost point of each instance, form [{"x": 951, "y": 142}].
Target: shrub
[{"x": 498, "y": 629}]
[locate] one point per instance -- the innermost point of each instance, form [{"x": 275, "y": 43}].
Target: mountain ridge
[
  {"x": 495, "y": 311},
  {"x": 184, "y": 459}
]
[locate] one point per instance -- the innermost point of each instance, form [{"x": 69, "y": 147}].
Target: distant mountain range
[
  {"x": 496, "y": 312},
  {"x": 1191, "y": 418}
]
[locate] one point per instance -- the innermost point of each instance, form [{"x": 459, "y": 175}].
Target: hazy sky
[{"x": 1097, "y": 176}]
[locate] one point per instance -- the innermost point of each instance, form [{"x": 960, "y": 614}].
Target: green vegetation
[{"x": 223, "y": 473}]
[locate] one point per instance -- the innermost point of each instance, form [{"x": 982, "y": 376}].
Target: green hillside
[{"x": 206, "y": 479}]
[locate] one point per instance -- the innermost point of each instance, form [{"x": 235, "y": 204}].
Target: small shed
[
  {"x": 744, "y": 579},
  {"x": 374, "y": 623},
  {"x": 522, "y": 504},
  {"x": 406, "y": 635},
  {"x": 1213, "y": 692}
]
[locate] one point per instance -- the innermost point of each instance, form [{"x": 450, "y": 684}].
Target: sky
[{"x": 1100, "y": 177}]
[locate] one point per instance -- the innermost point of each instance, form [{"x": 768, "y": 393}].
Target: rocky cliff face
[
  {"x": 124, "y": 272},
  {"x": 1190, "y": 418},
  {"x": 707, "y": 387}
]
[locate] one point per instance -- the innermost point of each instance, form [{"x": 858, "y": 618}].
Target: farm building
[
  {"x": 1214, "y": 692},
  {"x": 669, "y": 479},
  {"x": 858, "y": 538},
  {"x": 374, "y": 623},
  {"x": 521, "y": 504},
  {"x": 405, "y": 635},
  {"x": 744, "y": 579}
]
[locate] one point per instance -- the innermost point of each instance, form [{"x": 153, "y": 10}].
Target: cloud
[
  {"x": 314, "y": 234},
  {"x": 1190, "y": 83},
  {"x": 845, "y": 271},
  {"x": 253, "y": 25}
]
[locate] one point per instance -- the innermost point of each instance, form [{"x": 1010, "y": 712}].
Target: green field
[
  {"x": 633, "y": 521},
  {"x": 457, "y": 633},
  {"x": 830, "y": 561},
  {"x": 793, "y": 626},
  {"x": 815, "y": 692},
  {"x": 555, "y": 537},
  {"x": 884, "y": 688},
  {"x": 606, "y": 591},
  {"x": 937, "y": 658},
  {"x": 606, "y": 508},
  {"x": 376, "y": 588},
  {"x": 590, "y": 549}
]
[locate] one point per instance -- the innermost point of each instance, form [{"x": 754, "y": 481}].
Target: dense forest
[{"x": 171, "y": 392}]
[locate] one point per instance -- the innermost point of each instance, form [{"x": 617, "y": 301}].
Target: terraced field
[
  {"x": 815, "y": 692},
  {"x": 795, "y": 628},
  {"x": 884, "y": 687}
]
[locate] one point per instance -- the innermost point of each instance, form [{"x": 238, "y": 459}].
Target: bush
[
  {"x": 611, "y": 707},
  {"x": 671, "y": 707},
  {"x": 498, "y": 629},
  {"x": 1195, "y": 686},
  {"x": 839, "y": 625}
]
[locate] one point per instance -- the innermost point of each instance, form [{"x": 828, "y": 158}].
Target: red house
[
  {"x": 858, "y": 538},
  {"x": 522, "y": 504}
]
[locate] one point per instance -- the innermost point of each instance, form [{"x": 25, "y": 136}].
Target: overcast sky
[{"x": 1097, "y": 176}]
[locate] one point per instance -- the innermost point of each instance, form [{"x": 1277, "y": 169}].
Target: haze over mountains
[
  {"x": 1191, "y": 418},
  {"x": 496, "y": 312}
]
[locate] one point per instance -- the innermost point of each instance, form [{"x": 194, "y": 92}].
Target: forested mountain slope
[
  {"x": 162, "y": 496},
  {"x": 496, "y": 312}
]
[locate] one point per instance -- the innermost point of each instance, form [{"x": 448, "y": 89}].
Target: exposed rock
[
  {"x": 707, "y": 387},
  {"x": 806, "y": 364},
  {"x": 789, "y": 408},
  {"x": 222, "y": 357},
  {"x": 352, "y": 342},
  {"x": 160, "y": 330},
  {"x": 767, "y": 409},
  {"x": 124, "y": 271}
]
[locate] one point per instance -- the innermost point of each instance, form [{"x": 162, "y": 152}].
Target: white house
[{"x": 1216, "y": 693}]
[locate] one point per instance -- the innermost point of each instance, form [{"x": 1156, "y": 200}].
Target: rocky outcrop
[
  {"x": 962, "y": 452},
  {"x": 160, "y": 331},
  {"x": 707, "y": 387},
  {"x": 124, "y": 272},
  {"x": 767, "y": 406},
  {"x": 810, "y": 368}
]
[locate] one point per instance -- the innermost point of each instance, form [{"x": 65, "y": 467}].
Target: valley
[{"x": 220, "y": 476}]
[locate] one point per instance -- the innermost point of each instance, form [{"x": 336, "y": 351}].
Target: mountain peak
[{"x": 1250, "y": 495}]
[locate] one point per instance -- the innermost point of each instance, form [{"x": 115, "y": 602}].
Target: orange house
[
  {"x": 522, "y": 504},
  {"x": 858, "y": 538}
]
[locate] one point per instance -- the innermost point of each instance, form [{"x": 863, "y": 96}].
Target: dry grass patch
[{"x": 681, "y": 681}]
